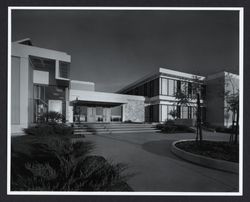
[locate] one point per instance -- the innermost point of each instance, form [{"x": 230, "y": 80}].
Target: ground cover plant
[
  {"x": 45, "y": 160},
  {"x": 171, "y": 127},
  {"x": 217, "y": 150}
]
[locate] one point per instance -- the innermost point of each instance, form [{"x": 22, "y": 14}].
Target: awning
[{"x": 95, "y": 103}]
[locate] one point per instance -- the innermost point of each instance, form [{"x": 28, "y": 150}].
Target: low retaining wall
[{"x": 204, "y": 161}]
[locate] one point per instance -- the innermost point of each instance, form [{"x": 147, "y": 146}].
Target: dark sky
[{"x": 115, "y": 48}]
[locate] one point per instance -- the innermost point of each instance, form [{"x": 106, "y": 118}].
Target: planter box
[{"x": 204, "y": 161}]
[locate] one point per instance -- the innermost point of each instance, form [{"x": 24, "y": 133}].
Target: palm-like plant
[{"x": 57, "y": 164}]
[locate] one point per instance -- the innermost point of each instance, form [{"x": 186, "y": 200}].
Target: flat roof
[
  {"x": 82, "y": 82},
  {"x": 101, "y": 98},
  {"x": 162, "y": 71},
  {"x": 95, "y": 103}
]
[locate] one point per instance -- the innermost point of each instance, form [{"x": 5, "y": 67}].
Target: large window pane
[
  {"x": 164, "y": 86},
  {"x": 184, "y": 112},
  {"x": 164, "y": 112},
  {"x": 64, "y": 69},
  {"x": 171, "y": 87},
  {"x": 183, "y": 87},
  {"x": 170, "y": 108}
]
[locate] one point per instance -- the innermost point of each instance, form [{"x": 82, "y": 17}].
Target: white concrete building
[{"x": 40, "y": 82}]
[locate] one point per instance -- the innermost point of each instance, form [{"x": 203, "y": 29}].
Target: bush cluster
[
  {"x": 221, "y": 129},
  {"x": 46, "y": 159},
  {"x": 171, "y": 127},
  {"x": 47, "y": 129}
]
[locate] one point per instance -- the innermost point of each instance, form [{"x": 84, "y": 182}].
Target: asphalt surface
[{"x": 155, "y": 168}]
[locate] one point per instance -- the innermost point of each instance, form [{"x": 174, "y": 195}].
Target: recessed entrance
[{"x": 97, "y": 114}]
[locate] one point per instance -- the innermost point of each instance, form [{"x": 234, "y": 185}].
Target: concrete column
[
  {"x": 159, "y": 86},
  {"x": 57, "y": 69},
  {"x": 124, "y": 112},
  {"x": 70, "y": 114},
  {"x": 24, "y": 89},
  {"x": 67, "y": 115}
]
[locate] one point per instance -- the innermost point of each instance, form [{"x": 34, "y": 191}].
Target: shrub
[
  {"x": 169, "y": 122},
  {"x": 128, "y": 121},
  {"x": 49, "y": 129},
  {"x": 224, "y": 129},
  {"x": 52, "y": 117},
  {"x": 54, "y": 163},
  {"x": 170, "y": 127}
]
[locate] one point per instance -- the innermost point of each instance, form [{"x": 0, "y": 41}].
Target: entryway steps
[{"x": 97, "y": 128}]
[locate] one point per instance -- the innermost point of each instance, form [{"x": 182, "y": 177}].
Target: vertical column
[
  {"x": 160, "y": 90},
  {"x": 24, "y": 89},
  {"x": 108, "y": 114},
  {"x": 67, "y": 115},
  {"x": 124, "y": 112},
  {"x": 57, "y": 69}
]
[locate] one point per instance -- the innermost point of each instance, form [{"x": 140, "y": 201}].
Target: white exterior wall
[
  {"x": 26, "y": 79},
  {"x": 132, "y": 106}
]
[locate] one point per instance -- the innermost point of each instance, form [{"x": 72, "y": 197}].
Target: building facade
[
  {"x": 40, "y": 82},
  {"x": 160, "y": 88}
]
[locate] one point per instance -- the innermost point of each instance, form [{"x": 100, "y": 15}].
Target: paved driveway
[{"x": 155, "y": 168}]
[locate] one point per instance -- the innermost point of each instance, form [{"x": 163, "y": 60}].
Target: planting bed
[{"x": 211, "y": 149}]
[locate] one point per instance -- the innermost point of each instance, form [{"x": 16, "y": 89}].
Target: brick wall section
[{"x": 134, "y": 111}]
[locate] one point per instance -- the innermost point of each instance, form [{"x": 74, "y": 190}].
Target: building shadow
[{"x": 161, "y": 148}]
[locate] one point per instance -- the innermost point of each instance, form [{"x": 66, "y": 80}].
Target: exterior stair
[{"x": 112, "y": 128}]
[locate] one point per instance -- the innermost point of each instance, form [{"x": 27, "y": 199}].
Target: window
[
  {"x": 178, "y": 111},
  {"x": 190, "y": 112},
  {"x": 189, "y": 89},
  {"x": 164, "y": 86},
  {"x": 184, "y": 112},
  {"x": 203, "y": 91},
  {"x": 171, "y": 90},
  {"x": 184, "y": 87},
  {"x": 178, "y": 86},
  {"x": 63, "y": 69}
]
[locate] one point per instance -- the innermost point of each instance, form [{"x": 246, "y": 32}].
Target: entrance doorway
[
  {"x": 91, "y": 114},
  {"x": 96, "y": 113}
]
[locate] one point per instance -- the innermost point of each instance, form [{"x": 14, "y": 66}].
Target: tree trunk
[
  {"x": 199, "y": 129},
  {"x": 237, "y": 126},
  {"x": 231, "y": 140}
]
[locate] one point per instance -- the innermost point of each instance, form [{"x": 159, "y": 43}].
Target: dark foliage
[
  {"x": 49, "y": 129},
  {"x": 128, "y": 121},
  {"x": 171, "y": 127},
  {"x": 48, "y": 160},
  {"x": 218, "y": 150},
  {"x": 52, "y": 117}
]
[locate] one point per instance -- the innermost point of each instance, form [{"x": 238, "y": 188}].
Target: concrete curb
[{"x": 204, "y": 161}]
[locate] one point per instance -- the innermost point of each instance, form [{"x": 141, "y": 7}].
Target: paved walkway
[{"x": 155, "y": 168}]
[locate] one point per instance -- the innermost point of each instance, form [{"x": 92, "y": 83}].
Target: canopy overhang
[{"x": 95, "y": 103}]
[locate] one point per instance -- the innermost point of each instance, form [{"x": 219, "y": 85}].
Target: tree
[
  {"x": 231, "y": 96},
  {"x": 189, "y": 93},
  {"x": 173, "y": 113}
]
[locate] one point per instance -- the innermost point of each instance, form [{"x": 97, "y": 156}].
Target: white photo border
[{"x": 241, "y": 63}]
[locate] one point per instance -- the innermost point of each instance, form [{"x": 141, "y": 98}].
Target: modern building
[
  {"x": 40, "y": 82},
  {"x": 160, "y": 88}
]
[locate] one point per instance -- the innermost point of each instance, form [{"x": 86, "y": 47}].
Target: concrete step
[
  {"x": 83, "y": 132},
  {"x": 124, "y": 129},
  {"x": 89, "y": 131},
  {"x": 110, "y": 124},
  {"x": 129, "y": 131},
  {"x": 112, "y": 129},
  {"x": 108, "y": 128}
]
